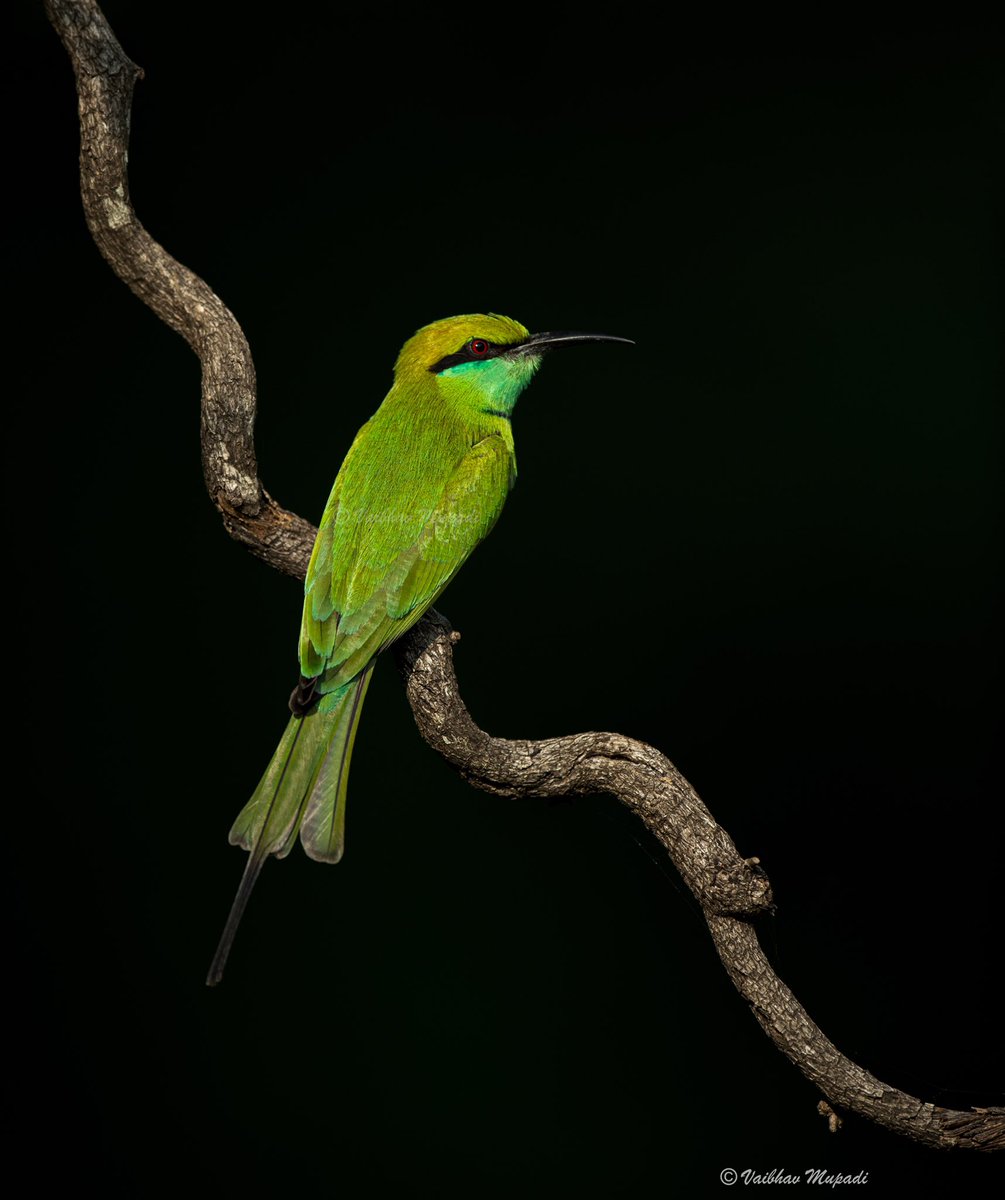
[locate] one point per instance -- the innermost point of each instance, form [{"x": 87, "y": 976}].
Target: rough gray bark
[
  {"x": 105, "y": 79},
  {"x": 730, "y": 890}
]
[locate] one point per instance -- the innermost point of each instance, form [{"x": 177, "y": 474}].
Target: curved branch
[
  {"x": 105, "y": 78},
  {"x": 731, "y": 890}
]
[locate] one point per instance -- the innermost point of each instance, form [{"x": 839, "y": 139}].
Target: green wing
[{"x": 377, "y": 567}]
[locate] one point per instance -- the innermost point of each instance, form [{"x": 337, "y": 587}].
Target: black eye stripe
[{"x": 467, "y": 354}]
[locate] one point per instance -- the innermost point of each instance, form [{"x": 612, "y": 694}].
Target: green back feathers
[{"x": 424, "y": 482}]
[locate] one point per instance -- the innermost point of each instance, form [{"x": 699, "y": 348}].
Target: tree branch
[
  {"x": 731, "y": 891},
  {"x": 105, "y": 79}
]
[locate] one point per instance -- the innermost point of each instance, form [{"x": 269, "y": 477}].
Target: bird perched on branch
[{"x": 423, "y": 483}]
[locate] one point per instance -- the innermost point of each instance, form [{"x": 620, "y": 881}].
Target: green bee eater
[{"x": 423, "y": 483}]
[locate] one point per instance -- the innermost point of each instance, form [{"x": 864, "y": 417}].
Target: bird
[{"x": 423, "y": 483}]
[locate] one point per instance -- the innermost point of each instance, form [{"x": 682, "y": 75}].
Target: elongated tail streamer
[{"x": 308, "y": 774}]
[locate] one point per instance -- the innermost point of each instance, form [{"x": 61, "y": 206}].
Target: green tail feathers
[{"x": 303, "y": 789}]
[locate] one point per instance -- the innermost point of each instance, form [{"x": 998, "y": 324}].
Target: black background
[{"x": 767, "y": 539}]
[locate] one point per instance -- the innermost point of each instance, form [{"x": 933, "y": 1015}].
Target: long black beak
[{"x": 544, "y": 341}]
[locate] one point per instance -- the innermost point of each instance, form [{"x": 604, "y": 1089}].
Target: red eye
[{"x": 479, "y": 346}]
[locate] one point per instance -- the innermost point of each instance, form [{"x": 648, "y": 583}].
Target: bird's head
[{"x": 481, "y": 361}]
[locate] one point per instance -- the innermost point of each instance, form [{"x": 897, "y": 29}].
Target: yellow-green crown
[{"x": 434, "y": 342}]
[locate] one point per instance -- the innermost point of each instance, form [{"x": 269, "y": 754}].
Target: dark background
[{"x": 767, "y": 540}]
